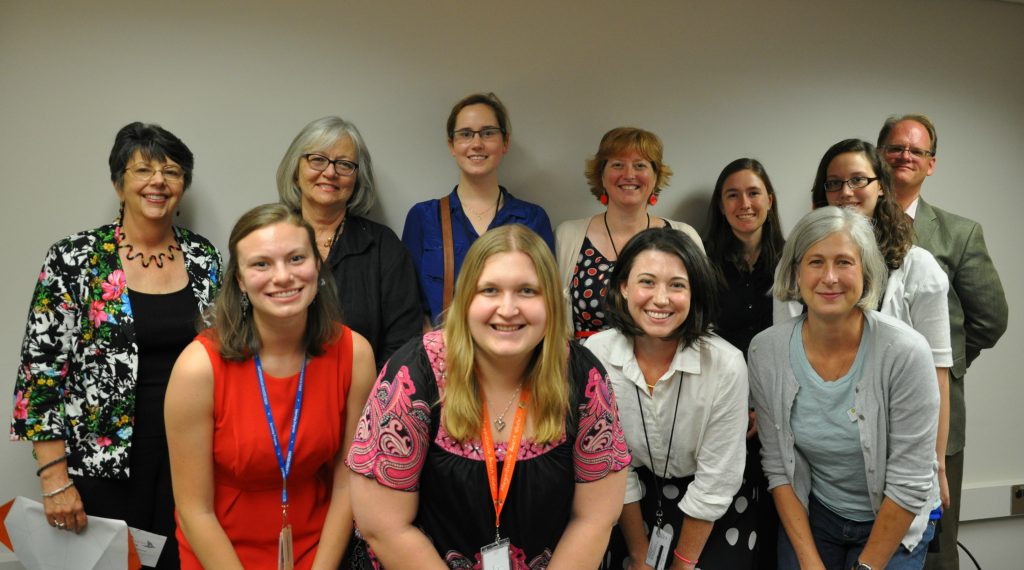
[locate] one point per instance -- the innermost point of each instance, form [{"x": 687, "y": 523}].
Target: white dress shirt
[{"x": 710, "y": 431}]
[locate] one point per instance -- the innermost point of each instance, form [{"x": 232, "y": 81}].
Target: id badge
[
  {"x": 496, "y": 556},
  {"x": 659, "y": 550}
]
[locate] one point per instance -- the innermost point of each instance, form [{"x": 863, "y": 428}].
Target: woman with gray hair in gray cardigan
[{"x": 847, "y": 407}]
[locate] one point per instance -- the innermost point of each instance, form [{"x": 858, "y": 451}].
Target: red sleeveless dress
[{"x": 247, "y": 479}]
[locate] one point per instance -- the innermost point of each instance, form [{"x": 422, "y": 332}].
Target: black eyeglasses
[
  {"x": 896, "y": 150},
  {"x": 855, "y": 183},
  {"x": 487, "y": 134},
  {"x": 320, "y": 163}
]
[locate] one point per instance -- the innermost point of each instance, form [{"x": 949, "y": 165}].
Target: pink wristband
[{"x": 683, "y": 558}]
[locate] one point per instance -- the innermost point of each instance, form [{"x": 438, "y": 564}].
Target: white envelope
[{"x": 103, "y": 545}]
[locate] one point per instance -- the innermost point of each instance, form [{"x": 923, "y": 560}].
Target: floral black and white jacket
[{"x": 79, "y": 359}]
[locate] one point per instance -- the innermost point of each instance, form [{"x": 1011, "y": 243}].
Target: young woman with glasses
[
  {"x": 479, "y": 133},
  {"x": 851, "y": 174}
]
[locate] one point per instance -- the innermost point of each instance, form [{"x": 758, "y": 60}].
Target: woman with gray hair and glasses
[
  {"x": 327, "y": 175},
  {"x": 847, "y": 405}
]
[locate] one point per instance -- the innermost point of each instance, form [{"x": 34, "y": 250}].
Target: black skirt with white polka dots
[{"x": 733, "y": 541}]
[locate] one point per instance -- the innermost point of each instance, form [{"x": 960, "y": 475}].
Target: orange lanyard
[{"x": 498, "y": 494}]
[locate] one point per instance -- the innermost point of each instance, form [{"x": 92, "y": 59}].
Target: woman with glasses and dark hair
[
  {"x": 111, "y": 310},
  {"x": 682, "y": 397},
  {"x": 438, "y": 233},
  {"x": 848, "y": 405},
  {"x": 262, "y": 406},
  {"x": 852, "y": 175},
  {"x": 744, "y": 241},
  {"x": 327, "y": 175},
  {"x": 626, "y": 175},
  {"x": 499, "y": 382}
]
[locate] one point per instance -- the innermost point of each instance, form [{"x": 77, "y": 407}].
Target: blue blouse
[{"x": 422, "y": 236}]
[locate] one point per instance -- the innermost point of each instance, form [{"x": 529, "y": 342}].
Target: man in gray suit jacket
[{"x": 977, "y": 304}]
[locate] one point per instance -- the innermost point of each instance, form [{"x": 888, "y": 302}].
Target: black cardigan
[{"x": 377, "y": 286}]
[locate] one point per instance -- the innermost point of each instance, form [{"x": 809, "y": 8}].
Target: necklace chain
[
  {"x": 609, "y": 232},
  {"x": 497, "y": 206},
  {"x": 337, "y": 232},
  {"x": 499, "y": 423}
]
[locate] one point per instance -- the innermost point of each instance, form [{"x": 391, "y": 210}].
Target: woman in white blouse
[{"x": 682, "y": 397}]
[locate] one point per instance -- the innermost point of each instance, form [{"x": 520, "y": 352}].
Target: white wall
[{"x": 779, "y": 82}]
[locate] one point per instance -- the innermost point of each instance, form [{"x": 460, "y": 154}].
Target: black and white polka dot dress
[
  {"x": 733, "y": 541},
  {"x": 588, "y": 289}
]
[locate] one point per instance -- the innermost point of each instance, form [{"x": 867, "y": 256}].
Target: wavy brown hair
[{"x": 893, "y": 231}]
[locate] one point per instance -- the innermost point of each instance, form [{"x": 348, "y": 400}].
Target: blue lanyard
[{"x": 284, "y": 463}]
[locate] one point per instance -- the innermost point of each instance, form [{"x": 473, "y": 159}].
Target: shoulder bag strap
[{"x": 449, "y": 253}]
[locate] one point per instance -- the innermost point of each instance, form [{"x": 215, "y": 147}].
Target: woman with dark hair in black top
[{"x": 744, "y": 241}]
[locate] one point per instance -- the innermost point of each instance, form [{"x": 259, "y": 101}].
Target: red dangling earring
[
  {"x": 652, "y": 200},
  {"x": 604, "y": 198}
]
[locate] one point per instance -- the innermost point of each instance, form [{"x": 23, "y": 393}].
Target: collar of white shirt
[{"x": 620, "y": 354}]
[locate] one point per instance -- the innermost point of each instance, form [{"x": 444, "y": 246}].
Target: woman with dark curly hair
[
  {"x": 851, "y": 174},
  {"x": 917, "y": 290}
]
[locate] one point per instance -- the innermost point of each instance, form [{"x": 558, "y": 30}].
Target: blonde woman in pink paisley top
[{"x": 501, "y": 371}]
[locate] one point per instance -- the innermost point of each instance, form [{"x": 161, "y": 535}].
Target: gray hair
[
  {"x": 818, "y": 225},
  {"x": 318, "y": 136}
]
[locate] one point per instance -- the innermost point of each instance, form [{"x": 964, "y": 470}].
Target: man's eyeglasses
[
  {"x": 320, "y": 163},
  {"x": 896, "y": 150}
]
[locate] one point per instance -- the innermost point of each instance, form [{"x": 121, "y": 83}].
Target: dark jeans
[{"x": 839, "y": 542}]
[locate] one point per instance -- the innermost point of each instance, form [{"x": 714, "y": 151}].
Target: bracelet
[
  {"x": 56, "y": 492},
  {"x": 683, "y": 558},
  {"x": 49, "y": 464}
]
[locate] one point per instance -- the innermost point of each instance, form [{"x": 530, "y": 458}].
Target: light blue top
[
  {"x": 825, "y": 430},
  {"x": 897, "y": 402}
]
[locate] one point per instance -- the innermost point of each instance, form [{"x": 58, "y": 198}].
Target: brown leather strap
[{"x": 449, "y": 253}]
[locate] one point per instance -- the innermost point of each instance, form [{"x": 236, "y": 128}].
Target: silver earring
[{"x": 245, "y": 302}]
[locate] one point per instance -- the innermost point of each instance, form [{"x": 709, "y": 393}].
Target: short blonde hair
[
  {"x": 546, "y": 377},
  {"x": 620, "y": 140}
]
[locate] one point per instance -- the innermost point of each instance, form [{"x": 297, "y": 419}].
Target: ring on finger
[{"x": 59, "y": 524}]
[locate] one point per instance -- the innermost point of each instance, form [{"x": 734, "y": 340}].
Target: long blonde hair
[{"x": 547, "y": 375}]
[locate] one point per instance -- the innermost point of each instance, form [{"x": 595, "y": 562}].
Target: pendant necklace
[
  {"x": 146, "y": 259},
  {"x": 337, "y": 232},
  {"x": 500, "y": 422},
  {"x": 609, "y": 232}
]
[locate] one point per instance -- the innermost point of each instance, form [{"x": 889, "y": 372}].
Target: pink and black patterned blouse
[{"x": 401, "y": 443}]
